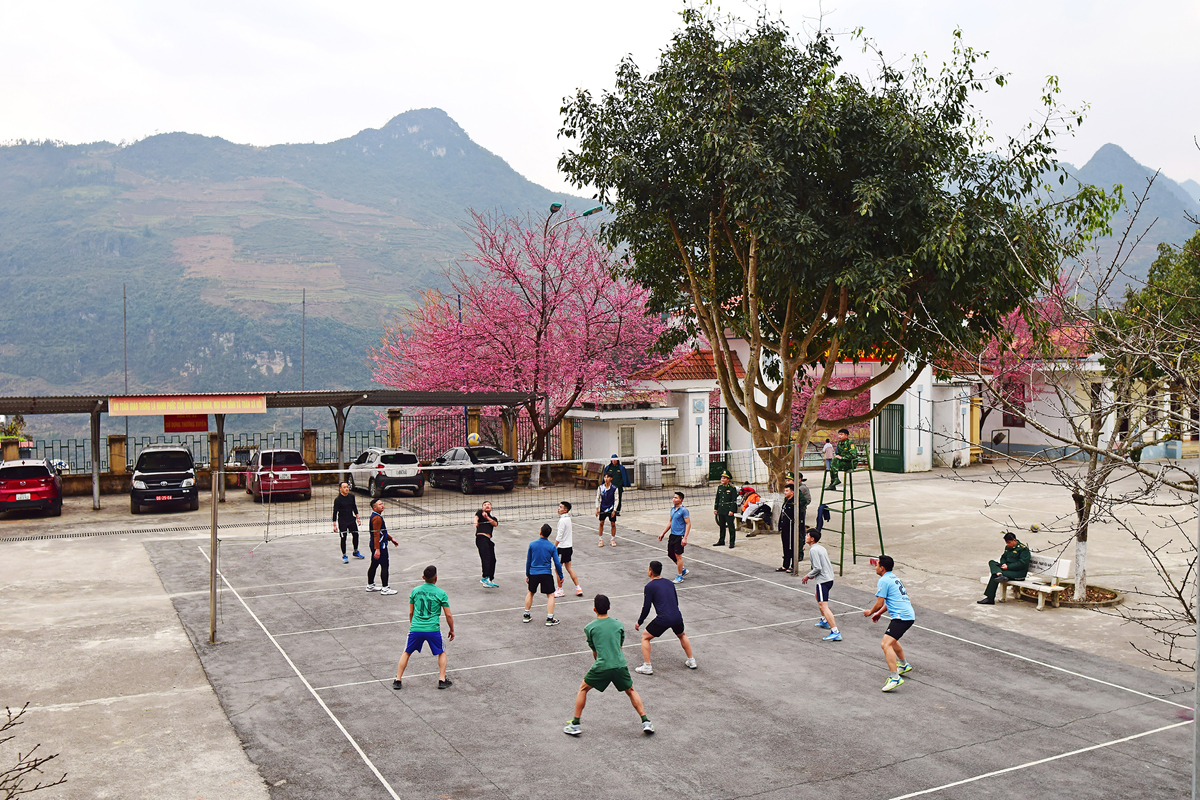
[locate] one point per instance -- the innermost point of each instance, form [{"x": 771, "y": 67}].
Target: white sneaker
[
  {"x": 372, "y": 587},
  {"x": 690, "y": 663},
  {"x": 644, "y": 669},
  {"x": 578, "y": 592},
  {"x": 559, "y": 592},
  {"x": 387, "y": 590}
]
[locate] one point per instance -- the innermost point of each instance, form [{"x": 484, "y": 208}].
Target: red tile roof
[{"x": 695, "y": 366}]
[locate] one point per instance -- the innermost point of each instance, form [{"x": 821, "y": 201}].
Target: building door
[{"x": 889, "y": 439}]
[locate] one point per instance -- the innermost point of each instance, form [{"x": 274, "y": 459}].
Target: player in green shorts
[{"x": 605, "y": 636}]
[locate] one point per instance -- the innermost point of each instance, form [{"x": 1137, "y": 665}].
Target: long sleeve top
[
  {"x": 541, "y": 556},
  {"x": 661, "y": 594}
]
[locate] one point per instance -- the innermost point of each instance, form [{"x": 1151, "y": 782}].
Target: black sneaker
[
  {"x": 446, "y": 684},
  {"x": 526, "y": 618},
  {"x": 551, "y": 621},
  {"x": 396, "y": 685}
]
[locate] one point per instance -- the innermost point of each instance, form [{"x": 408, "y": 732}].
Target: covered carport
[{"x": 339, "y": 403}]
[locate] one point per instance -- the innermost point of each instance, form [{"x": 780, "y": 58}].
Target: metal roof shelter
[{"x": 338, "y": 401}]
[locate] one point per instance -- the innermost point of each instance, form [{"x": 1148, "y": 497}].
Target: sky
[{"x": 266, "y": 72}]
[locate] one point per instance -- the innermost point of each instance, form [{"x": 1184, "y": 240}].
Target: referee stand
[{"x": 847, "y": 504}]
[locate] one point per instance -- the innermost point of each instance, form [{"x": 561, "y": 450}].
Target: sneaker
[
  {"x": 396, "y": 685},
  {"x": 572, "y": 729},
  {"x": 613, "y": 542},
  {"x": 559, "y": 592},
  {"x": 904, "y": 668},
  {"x": 526, "y": 618},
  {"x": 578, "y": 592},
  {"x": 493, "y": 585},
  {"x": 648, "y": 727},
  {"x": 644, "y": 669},
  {"x": 690, "y": 663},
  {"x": 833, "y": 637},
  {"x": 601, "y": 543},
  {"x": 677, "y": 579},
  {"x": 484, "y": 582},
  {"x": 821, "y": 623},
  {"x": 345, "y": 560},
  {"x": 372, "y": 587},
  {"x": 358, "y": 554},
  {"x": 387, "y": 590},
  {"x": 446, "y": 684},
  {"x": 892, "y": 683},
  {"x": 685, "y": 572},
  {"x": 551, "y": 622}
]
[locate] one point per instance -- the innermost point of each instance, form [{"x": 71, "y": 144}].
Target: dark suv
[
  {"x": 30, "y": 483},
  {"x": 466, "y": 468},
  {"x": 164, "y": 474}
]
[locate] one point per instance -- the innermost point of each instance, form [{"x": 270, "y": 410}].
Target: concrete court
[{"x": 772, "y": 711}]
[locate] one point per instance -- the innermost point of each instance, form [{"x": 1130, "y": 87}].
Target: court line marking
[
  {"x": 494, "y": 610},
  {"x": 950, "y": 636},
  {"x": 637, "y": 644},
  {"x": 1040, "y": 761},
  {"x": 366, "y": 759},
  {"x": 108, "y": 701}
]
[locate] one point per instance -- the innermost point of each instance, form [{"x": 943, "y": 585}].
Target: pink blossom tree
[{"x": 542, "y": 313}]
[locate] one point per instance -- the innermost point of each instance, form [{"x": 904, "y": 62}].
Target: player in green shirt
[
  {"x": 605, "y": 636},
  {"x": 425, "y": 606}
]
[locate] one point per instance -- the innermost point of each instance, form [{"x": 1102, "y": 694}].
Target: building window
[
  {"x": 1014, "y": 405},
  {"x": 625, "y": 441}
]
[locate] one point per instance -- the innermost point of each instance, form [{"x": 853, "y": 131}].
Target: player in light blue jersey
[{"x": 890, "y": 594}]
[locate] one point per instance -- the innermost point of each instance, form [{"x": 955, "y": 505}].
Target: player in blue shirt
[
  {"x": 541, "y": 556},
  {"x": 890, "y": 594},
  {"x": 679, "y": 526}
]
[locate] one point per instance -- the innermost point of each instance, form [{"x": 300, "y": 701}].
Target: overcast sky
[{"x": 266, "y": 71}]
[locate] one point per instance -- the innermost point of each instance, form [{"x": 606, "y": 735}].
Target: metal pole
[
  {"x": 212, "y": 559},
  {"x": 797, "y": 535},
  {"x": 303, "y": 328},
  {"x": 125, "y": 337},
  {"x": 220, "y": 469},
  {"x": 1196, "y": 613},
  {"x": 96, "y": 458}
]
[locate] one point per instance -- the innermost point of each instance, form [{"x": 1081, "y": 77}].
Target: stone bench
[{"x": 1043, "y": 577}]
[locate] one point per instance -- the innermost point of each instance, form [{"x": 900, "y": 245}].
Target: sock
[
  {"x": 896, "y": 673},
  {"x": 645, "y": 718},
  {"x": 575, "y": 721},
  {"x": 835, "y": 630},
  {"x": 901, "y": 664}
]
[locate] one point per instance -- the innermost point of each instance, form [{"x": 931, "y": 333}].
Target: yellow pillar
[
  {"x": 11, "y": 449},
  {"x": 395, "y": 415},
  {"x": 472, "y": 421},
  {"x": 214, "y": 450},
  {"x": 116, "y": 453},
  {"x": 567, "y": 431},
  {"x": 309, "y": 449}
]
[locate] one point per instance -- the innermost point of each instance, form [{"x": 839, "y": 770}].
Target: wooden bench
[
  {"x": 590, "y": 479},
  {"x": 758, "y": 524},
  {"x": 1043, "y": 577}
]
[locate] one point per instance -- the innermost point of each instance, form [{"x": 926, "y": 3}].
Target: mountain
[
  {"x": 1192, "y": 188},
  {"x": 1167, "y": 205},
  {"x": 215, "y": 242}
]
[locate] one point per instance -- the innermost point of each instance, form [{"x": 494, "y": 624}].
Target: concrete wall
[
  {"x": 918, "y": 416},
  {"x": 689, "y": 435},
  {"x": 951, "y": 416}
]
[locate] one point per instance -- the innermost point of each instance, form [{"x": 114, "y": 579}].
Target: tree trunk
[{"x": 1083, "y": 511}]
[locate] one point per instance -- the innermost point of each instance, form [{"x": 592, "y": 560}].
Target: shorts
[
  {"x": 565, "y": 553},
  {"x": 658, "y": 626},
  {"x": 823, "y": 591},
  {"x": 599, "y": 679},
  {"x": 418, "y": 638},
  {"x": 349, "y": 527},
  {"x": 541, "y": 583},
  {"x": 674, "y": 546},
  {"x": 897, "y": 627},
  {"x": 610, "y": 514}
]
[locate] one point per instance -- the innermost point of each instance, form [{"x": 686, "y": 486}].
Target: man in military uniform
[
  {"x": 1012, "y": 566},
  {"x": 845, "y": 459},
  {"x": 619, "y": 474},
  {"x": 725, "y": 509}
]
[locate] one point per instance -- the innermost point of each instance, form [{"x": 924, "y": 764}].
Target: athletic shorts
[
  {"x": 823, "y": 591},
  {"x": 897, "y": 627},
  {"x": 541, "y": 583},
  {"x": 599, "y": 679},
  {"x": 658, "y": 626},
  {"x": 610, "y": 514},
  {"x": 418, "y": 638},
  {"x": 349, "y": 527},
  {"x": 674, "y": 546},
  {"x": 564, "y": 554}
]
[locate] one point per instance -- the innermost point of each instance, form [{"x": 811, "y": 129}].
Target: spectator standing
[
  {"x": 827, "y": 454},
  {"x": 787, "y": 513},
  {"x": 345, "y": 519},
  {"x": 725, "y": 510},
  {"x": 620, "y": 479}
]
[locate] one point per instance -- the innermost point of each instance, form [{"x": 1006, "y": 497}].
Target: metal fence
[{"x": 75, "y": 453}]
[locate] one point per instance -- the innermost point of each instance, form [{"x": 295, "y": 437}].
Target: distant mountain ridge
[{"x": 216, "y": 240}]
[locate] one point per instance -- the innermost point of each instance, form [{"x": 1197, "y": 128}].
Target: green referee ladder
[{"x": 849, "y": 504}]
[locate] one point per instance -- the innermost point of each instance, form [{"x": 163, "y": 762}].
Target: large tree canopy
[{"x": 766, "y": 194}]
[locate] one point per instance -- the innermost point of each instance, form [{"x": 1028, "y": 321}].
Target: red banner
[{"x": 185, "y": 423}]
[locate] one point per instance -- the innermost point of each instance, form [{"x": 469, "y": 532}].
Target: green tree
[{"x": 765, "y": 193}]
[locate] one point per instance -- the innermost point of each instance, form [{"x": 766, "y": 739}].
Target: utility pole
[
  {"x": 303, "y": 326},
  {"x": 125, "y": 337}
]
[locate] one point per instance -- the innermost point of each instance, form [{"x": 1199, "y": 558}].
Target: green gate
[{"x": 889, "y": 439}]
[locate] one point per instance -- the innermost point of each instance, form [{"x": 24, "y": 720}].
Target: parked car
[
  {"x": 164, "y": 474},
  {"x": 30, "y": 483},
  {"x": 273, "y": 473},
  {"x": 379, "y": 469},
  {"x": 465, "y": 468}
]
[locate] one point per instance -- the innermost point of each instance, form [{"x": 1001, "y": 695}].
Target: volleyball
[{"x": 473, "y": 439}]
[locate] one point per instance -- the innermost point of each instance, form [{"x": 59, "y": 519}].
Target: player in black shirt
[
  {"x": 345, "y": 519},
  {"x": 485, "y": 523},
  {"x": 660, "y": 593}
]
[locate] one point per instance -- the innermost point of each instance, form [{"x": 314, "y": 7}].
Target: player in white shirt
[{"x": 563, "y": 542}]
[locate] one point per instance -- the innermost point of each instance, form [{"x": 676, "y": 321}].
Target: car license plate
[
  {"x": 164, "y": 497},
  {"x": 498, "y": 468},
  {"x": 285, "y": 475},
  {"x": 25, "y": 496}
]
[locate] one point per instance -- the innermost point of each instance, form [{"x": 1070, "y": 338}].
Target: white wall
[
  {"x": 689, "y": 434},
  {"x": 951, "y": 415},
  {"x": 918, "y": 416}
]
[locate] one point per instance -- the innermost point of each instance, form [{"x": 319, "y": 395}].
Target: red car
[
  {"x": 30, "y": 483},
  {"x": 275, "y": 473}
]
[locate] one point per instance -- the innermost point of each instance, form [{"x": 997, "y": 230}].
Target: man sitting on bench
[{"x": 1012, "y": 566}]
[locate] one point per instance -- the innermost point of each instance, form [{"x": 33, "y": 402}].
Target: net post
[
  {"x": 797, "y": 539},
  {"x": 215, "y": 475}
]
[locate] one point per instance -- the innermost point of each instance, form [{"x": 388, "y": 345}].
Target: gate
[
  {"x": 718, "y": 440},
  {"x": 889, "y": 439}
]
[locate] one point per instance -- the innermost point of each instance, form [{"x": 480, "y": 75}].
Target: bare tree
[{"x": 14, "y": 780}]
